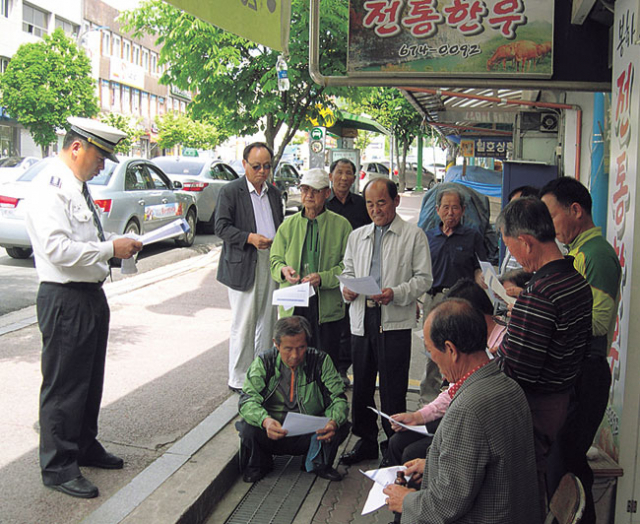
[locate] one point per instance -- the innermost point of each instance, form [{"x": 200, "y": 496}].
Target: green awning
[
  {"x": 350, "y": 121},
  {"x": 265, "y": 22}
]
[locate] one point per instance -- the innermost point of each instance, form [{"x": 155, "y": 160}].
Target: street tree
[
  {"x": 392, "y": 110},
  {"x": 235, "y": 80},
  {"x": 46, "y": 82},
  {"x": 178, "y": 129},
  {"x": 129, "y": 125}
]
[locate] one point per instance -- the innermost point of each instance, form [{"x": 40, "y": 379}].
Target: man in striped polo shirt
[
  {"x": 569, "y": 204},
  {"x": 550, "y": 326}
]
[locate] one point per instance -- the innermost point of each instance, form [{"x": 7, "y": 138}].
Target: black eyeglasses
[{"x": 258, "y": 167}]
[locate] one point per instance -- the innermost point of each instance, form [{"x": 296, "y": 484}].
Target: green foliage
[
  {"x": 234, "y": 79},
  {"x": 178, "y": 129},
  {"x": 392, "y": 110},
  {"x": 46, "y": 82},
  {"x": 127, "y": 125}
]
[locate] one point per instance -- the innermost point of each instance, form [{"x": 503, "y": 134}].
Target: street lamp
[{"x": 81, "y": 36}]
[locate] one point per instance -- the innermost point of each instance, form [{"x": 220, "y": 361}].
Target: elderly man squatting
[{"x": 291, "y": 377}]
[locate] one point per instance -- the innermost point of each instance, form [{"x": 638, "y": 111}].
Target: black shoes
[
  {"x": 78, "y": 487},
  {"x": 358, "y": 454},
  {"x": 329, "y": 473},
  {"x": 103, "y": 461},
  {"x": 252, "y": 476}
]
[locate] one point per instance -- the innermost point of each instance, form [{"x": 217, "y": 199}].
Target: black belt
[
  {"x": 87, "y": 286},
  {"x": 435, "y": 290}
]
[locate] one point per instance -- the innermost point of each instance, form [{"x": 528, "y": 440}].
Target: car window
[
  {"x": 231, "y": 174},
  {"x": 11, "y": 161},
  {"x": 287, "y": 172},
  {"x": 135, "y": 178},
  {"x": 34, "y": 170},
  {"x": 180, "y": 166},
  {"x": 383, "y": 169},
  {"x": 103, "y": 177},
  {"x": 218, "y": 173},
  {"x": 157, "y": 180}
]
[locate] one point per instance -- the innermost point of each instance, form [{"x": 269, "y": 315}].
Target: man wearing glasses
[
  {"x": 309, "y": 247},
  {"x": 248, "y": 213}
]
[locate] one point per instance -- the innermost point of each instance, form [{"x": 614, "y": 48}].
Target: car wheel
[
  {"x": 132, "y": 227},
  {"x": 188, "y": 238},
  {"x": 209, "y": 227},
  {"x": 19, "y": 252}
]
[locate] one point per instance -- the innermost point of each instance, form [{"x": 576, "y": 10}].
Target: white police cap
[{"x": 99, "y": 134}]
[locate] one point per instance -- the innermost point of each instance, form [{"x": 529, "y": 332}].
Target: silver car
[
  {"x": 135, "y": 196},
  {"x": 12, "y": 167},
  {"x": 202, "y": 177}
]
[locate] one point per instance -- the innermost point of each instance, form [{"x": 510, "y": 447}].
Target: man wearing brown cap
[{"x": 71, "y": 253}]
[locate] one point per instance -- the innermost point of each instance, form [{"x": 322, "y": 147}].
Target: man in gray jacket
[
  {"x": 481, "y": 467},
  {"x": 396, "y": 254}
]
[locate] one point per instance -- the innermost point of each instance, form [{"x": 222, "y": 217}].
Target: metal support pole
[
  {"x": 599, "y": 181},
  {"x": 419, "y": 173}
]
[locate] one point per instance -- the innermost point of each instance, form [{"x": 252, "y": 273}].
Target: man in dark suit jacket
[{"x": 248, "y": 213}]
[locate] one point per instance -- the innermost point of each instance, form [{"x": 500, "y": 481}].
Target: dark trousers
[
  {"x": 405, "y": 446},
  {"x": 257, "y": 450},
  {"x": 548, "y": 414},
  {"x": 586, "y": 410},
  {"x": 389, "y": 355},
  {"x": 325, "y": 336},
  {"x": 345, "y": 343},
  {"x": 74, "y": 321}
]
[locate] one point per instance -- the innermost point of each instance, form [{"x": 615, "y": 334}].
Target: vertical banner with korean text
[
  {"x": 512, "y": 38},
  {"x": 622, "y": 186}
]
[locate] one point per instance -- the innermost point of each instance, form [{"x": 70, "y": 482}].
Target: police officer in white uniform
[{"x": 71, "y": 254}]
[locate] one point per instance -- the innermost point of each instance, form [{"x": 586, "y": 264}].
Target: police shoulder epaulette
[{"x": 55, "y": 181}]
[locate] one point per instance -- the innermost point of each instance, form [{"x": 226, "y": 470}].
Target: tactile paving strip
[{"x": 277, "y": 497}]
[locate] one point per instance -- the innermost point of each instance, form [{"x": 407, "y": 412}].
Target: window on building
[
  {"x": 5, "y": 8},
  {"x": 154, "y": 106},
  {"x": 161, "y": 105},
  {"x": 154, "y": 63},
  {"x": 69, "y": 28},
  {"x": 105, "y": 94},
  {"x": 183, "y": 107},
  {"x": 136, "y": 54},
  {"x": 116, "y": 46},
  {"x": 135, "y": 101},
  {"x": 34, "y": 21},
  {"x": 145, "y": 60},
  {"x": 144, "y": 105},
  {"x": 106, "y": 43},
  {"x": 126, "y": 99},
  {"x": 126, "y": 50},
  {"x": 4, "y": 62},
  {"x": 115, "y": 97}
]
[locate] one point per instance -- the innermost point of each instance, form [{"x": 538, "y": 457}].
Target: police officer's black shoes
[
  {"x": 78, "y": 487},
  {"x": 105, "y": 460}
]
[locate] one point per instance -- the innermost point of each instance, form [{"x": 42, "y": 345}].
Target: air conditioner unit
[{"x": 537, "y": 121}]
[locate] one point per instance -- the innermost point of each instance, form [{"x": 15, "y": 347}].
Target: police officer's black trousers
[{"x": 74, "y": 321}]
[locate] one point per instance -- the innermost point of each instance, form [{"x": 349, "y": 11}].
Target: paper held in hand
[
  {"x": 363, "y": 286},
  {"x": 493, "y": 283},
  {"x": 301, "y": 424},
  {"x": 293, "y": 296},
  {"x": 381, "y": 478},
  {"x": 418, "y": 429},
  {"x": 172, "y": 229}
]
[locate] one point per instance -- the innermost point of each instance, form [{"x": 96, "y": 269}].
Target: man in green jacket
[
  {"x": 291, "y": 378},
  {"x": 309, "y": 247}
]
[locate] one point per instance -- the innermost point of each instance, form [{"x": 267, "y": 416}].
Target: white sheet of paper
[
  {"x": 491, "y": 279},
  {"x": 418, "y": 429},
  {"x": 363, "y": 285},
  {"x": 293, "y": 296},
  {"x": 381, "y": 478},
  {"x": 172, "y": 229},
  {"x": 301, "y": 424}
]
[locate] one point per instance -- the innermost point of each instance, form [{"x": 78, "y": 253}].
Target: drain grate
[{"x": 276, "y": 498}]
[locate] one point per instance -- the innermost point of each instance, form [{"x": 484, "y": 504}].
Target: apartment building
[{"x": 126, "y": 70}]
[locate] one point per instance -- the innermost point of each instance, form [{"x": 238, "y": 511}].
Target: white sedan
[{"x": 134, "y": 196}]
